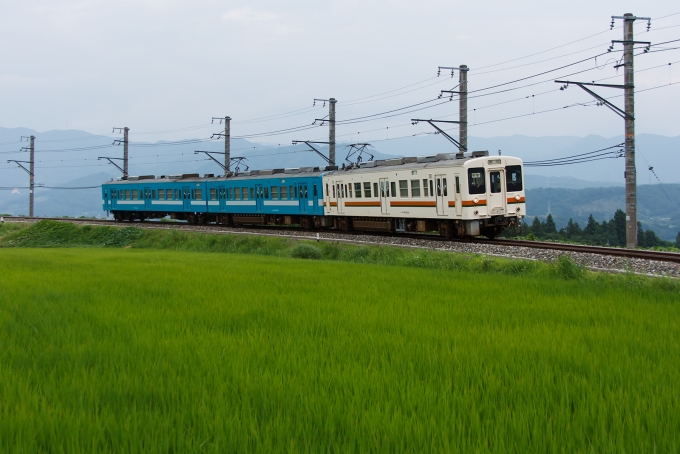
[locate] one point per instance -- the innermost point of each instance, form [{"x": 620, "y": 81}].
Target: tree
[
  {"x": 550, "y": 225},
  {"x": 537, "y": 227},
  {"x": 617, "y": 228},
  {"x": 573, "y": 229},
  {"x": 641, "y": 239},
  {"x": 592, "y": 228}
]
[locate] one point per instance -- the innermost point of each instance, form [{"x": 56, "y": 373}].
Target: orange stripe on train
[
  {"x": 362, "y": 204},
  {"x": 397, "y": 203},
  {"x": 471, "y": 203}
]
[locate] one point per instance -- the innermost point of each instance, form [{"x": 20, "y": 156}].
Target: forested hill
[{"x": 657, "y": 206}]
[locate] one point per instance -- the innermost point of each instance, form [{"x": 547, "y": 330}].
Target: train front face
[{"x": 494, "y": 194}]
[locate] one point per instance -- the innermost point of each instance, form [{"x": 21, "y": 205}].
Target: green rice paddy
[{"x": 132, "y": 350}]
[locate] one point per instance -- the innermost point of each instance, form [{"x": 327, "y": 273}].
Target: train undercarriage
[{"x": 488, "y": 227}]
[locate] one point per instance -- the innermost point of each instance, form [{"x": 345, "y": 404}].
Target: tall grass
[{"x": 127, "y": 350}]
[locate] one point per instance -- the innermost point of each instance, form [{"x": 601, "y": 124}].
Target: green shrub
[
  {"x": 566, "y": 268},
  {"x": 305, "y": 251}
]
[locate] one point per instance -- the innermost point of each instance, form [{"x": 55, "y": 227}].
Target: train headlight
[
  {"x": 517, "y": 197},
  {"x": 475, "y": 200}
]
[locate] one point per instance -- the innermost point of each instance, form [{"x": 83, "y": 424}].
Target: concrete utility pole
[
  {"x": 331, "y": 130},
  {"x": 125, "y": 149},
  {"x": 628, "y": 114},
  {"x": 462, "y": 107},
  {"x": 125, "y": 152},
  {"x": 30, "y": 171},
  {"x": 629, "y": 106},
  {"x": 31, "y": 175},
  {"x": 227, "y": 144},
  {"x": 461, "y": 143}
]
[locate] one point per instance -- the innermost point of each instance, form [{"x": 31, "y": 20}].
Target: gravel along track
[{"x": 597, "y": 262}]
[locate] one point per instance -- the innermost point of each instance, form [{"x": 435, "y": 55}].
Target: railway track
[{"x": 672, "y": 257}]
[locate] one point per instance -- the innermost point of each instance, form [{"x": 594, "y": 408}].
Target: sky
[{"x": 164, "y": 68}]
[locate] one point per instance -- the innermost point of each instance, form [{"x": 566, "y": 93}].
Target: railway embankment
[{"x": 415, "y": 253}]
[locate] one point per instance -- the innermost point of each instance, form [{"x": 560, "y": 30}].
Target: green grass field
[{"x": 129, "y": 350}]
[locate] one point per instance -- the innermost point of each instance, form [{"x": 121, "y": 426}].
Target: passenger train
[{"x": 458, "y": 195}]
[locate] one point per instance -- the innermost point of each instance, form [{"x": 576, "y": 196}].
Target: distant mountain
[
  {"x": 540, "y": 181},
  {"x": 657, "y": 206}
]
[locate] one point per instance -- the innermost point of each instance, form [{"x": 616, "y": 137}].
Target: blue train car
[{"x": 264, "y": 197}]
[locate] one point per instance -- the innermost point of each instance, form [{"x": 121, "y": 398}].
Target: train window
[
  {"x": 415, "y": 188},
  {"x": 348, "y": 190},
  {"x": 284, "y": 192},
  {"x": 134, "y": 195},
  {"x": 425, "y": 191},
  {"x": 153, "y": 194},
  {"x": 334, "y": 192},
  {"x": 193, "y": 194},
  {"x": 342, "y": 191},
  {"x": 357, "y": 190},
  {"x": 199, "y": 194},
  {"x": 445, "y": 188},
  {"x": 237, "y": 193},
  {"x": 476, "y": 183},
  {"x": 213, "y": 194},
  {"x": 161, "y": 194},
  {"x": 431, "y": 189},
  {"x": 375, "y": 190},
  {"x": 252, "y": 194},
  {"x": 266, "y": 193},
  {"x": 106, "y": 194},
  {"x": 367, "y": 189},
  {"x": 495, "y": 182},
  {"x": 230, "y": 194},
  {"x": 457, "y": 184},
  {"x": 316, "y": 193},
  {"x": 513, "y": 175},
  {"x": 439, "y": 187},
  {"x": 306, "y": 193},
  {"x": 327, "y": 191},
  {"x": 393, "y": 187},
  {"x": 403, "y": 188}
]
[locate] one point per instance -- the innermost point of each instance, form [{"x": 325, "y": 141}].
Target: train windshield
[
  {"x": 513, "y": 178},
  {"x": 476, "y": 183}
]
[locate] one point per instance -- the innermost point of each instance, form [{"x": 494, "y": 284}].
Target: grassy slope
[{"x": 163, "y": 351}]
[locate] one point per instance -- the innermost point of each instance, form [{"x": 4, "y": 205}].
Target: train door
[
  {"x": 341, "y": 196},
  {"x": 304, "y": 197},
  {"x": 384, "y": 196},
  {"x": 315, "y": 198},
  {"x": 459, "y": 197},
  {"x": 259, "y": 194},
  {"x": 495, "y": 196},
  {"x": 221, "y": 197},
  {"x": 441, "y": 193},
  {"x": 147, "y": 199},
  {"x": 186, "y": 198}
]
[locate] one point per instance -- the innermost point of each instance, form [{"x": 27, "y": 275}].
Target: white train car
[{"x": 455, "y": 195}]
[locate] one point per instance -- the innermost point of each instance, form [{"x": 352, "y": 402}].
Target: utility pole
[
  {"x": 125, "y": 149},
  {"x": 331, "y": 127},
  {"x": 628, "y": 114},
  {"x": 629, "y": 106},
  {"x": 31, "y": 175},
  {"x": 462, "y": 107},
  {"x": 227, "y": 142},
  {"x": 30, "y": 171}
]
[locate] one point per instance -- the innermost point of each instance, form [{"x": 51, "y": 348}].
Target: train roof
[{"x": 386, "y": 165}]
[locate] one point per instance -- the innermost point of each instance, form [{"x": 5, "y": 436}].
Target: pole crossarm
[
  {"x": 111, "y": 162},
  {"x": 621, "y": 113},
  {"x": 441, "y": 131},
  {"x": 309, "y": 144},
  {"x": 19, "y": 164},
  {"x": 209, "y": 154},
  {"x": 439, "y": 69}
]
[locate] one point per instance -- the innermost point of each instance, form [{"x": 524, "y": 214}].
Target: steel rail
[{"x": 673, "y": 257}]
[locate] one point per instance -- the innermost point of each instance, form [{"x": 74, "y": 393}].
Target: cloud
[{"x": 248, "y": 15}]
